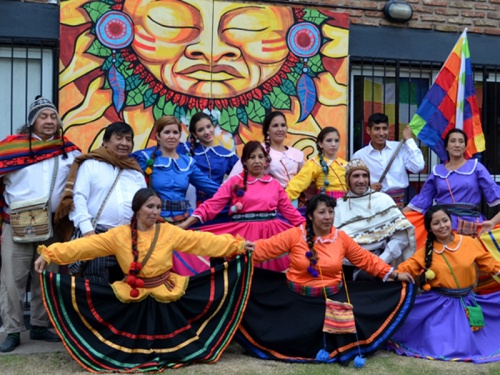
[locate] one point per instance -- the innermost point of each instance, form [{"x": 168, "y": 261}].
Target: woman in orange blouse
[
  {"x": 297, "y": 299},
  {"x": 437, "y": 327}
]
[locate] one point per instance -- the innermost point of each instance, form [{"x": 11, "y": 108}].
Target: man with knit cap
[
  {"x": 98, "y": 196},
  {"x": 33, "y": 165},
  {"x": 372, "y": 218}
]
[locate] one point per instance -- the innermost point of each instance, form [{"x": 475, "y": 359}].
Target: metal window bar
[
  {"x": 24, "y": 62},
  {"x": 487, "y": 81},
  {"x": 28, "y": 67}
]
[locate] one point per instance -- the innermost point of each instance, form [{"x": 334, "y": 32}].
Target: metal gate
[
  {"x": 397, "y": 87},
  {"x": 27, "y": 68}
]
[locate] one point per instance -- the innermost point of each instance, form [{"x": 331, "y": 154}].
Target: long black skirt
[
  {"x": 282, "y": 325},
  {"x": 105, "y": 335}
]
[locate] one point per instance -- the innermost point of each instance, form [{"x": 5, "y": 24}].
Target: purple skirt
[{"x": 437, "y": 328}]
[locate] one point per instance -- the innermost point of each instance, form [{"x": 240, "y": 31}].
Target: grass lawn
[{"x": 233, "y": 361}]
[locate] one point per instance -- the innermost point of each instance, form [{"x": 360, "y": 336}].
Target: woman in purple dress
[
  {"x": 438, "y": 326},
  {"x": 458, "y": 185}
]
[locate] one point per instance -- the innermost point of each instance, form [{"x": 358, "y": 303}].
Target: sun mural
[{"x": 137, "y": 60}]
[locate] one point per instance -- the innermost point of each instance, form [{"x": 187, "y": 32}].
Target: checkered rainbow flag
[{"x": 451, "y": 103}]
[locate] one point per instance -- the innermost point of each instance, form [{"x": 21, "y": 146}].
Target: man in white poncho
[{"x": 372, "y": 219}]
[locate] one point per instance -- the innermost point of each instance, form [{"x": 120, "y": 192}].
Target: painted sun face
[{"x": 245, "y": 48}]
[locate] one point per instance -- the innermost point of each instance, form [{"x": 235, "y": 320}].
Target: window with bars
[
  {"x": 397, "y": 87},
  {"x": 26, "y": 70}
]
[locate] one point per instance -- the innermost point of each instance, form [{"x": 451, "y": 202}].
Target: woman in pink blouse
[{"x": 255, "y": 198}]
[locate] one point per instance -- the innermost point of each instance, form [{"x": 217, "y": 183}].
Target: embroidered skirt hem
[
  {"x": 282, "y": 325},
  {"x": 105, "y": 335}
]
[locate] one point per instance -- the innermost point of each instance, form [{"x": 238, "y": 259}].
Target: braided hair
[
  {"x": 312, "y": 205},
  {"x": 140, "y": 198},
  {"x": 149, "y": 164},
  {"x": 192, "y": 129}
]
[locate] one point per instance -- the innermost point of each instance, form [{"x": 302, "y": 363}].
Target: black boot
[
  {"x": 42, "y": 333},
  {"x": 11, "y": 342}
]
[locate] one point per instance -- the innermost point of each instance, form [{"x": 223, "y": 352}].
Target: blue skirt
[{"x": 437, "y": 328}]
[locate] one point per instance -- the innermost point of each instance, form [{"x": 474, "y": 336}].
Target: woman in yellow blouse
[
  {"x": 437, "y": 326},
  {"x": 325, "y": 170},
  {"x": 279, "y": 302},
  {"x": 154, "y": 318}
]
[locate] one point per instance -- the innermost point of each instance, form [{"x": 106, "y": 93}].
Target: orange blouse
[
  {"x": 462, "y": 253},
  {"x": 331, "y": 249}
]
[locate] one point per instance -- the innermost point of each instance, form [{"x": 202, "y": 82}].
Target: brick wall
[{"x": 479, "y": 16}]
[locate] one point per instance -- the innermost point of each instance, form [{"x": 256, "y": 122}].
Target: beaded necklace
[{"x": 325, "y": 167}]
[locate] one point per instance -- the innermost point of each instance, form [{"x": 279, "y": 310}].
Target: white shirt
[
  {"x": 34, "y": 181},
  {"x": 409, "y": 158},
  {"x": 390, "y": 249},
  {"x": 93, "y": 182}
]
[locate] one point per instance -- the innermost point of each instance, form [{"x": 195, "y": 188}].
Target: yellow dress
[
  {"x": 117, "y": 242},
  {"x": 312, "y": 171}
]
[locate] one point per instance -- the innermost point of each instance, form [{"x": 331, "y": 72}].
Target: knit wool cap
[
  {"x": 353, "y": 165},
  {"x": 38, "y": 106}
]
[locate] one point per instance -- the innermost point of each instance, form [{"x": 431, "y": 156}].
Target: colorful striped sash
[
  {"x": 312, "y": 291},
  {"x": 153, "y": 282},
  {"x": 175, "y": 205},
  {"x": 337, "y": 194},
  {"x": 462, "y": 209},
  {"x": 398, "y": 196},
  {"x": 176, "y": 219},
  {"x": 15, "y": 151}
]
